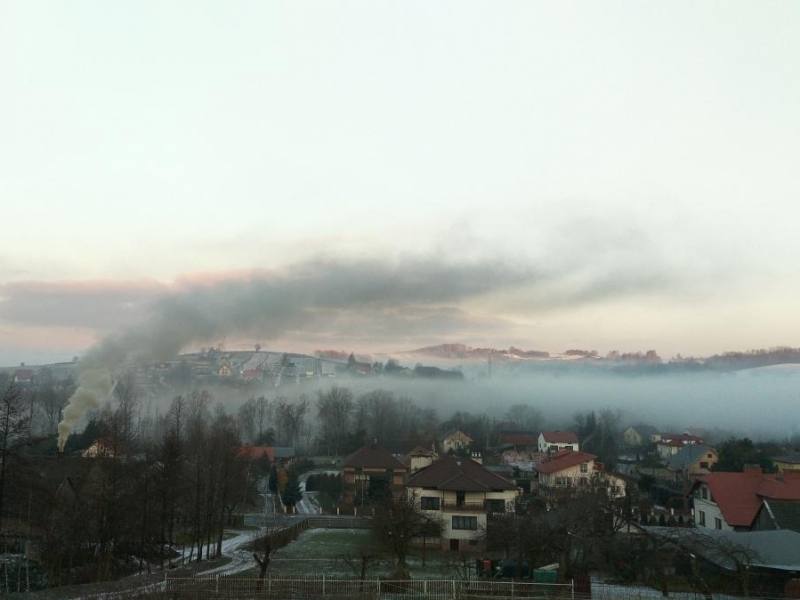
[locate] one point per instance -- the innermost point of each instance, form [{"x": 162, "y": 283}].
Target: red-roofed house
[
  {"x": 462, "y": 492},
  {"x": 521, "y": 442},
  {"x": 731, "y": 501},
  {"x": 555, "y": 441},
  {"x": 573, "y": 470}
]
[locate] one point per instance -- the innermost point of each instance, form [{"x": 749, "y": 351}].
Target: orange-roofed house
[
  {"x": 731, "y": 501},
  {"x": 556, "y": 441},
  {"x": 570, "y": 471}
]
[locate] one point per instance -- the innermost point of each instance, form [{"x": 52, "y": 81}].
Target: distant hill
[{"x": 463, "y": 351}]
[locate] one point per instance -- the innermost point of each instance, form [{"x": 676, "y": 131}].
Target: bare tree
[{"x": 13, "y": 427}]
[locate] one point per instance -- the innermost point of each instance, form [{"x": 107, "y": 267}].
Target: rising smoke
[
  {"x": 267, "y": 304},
  {"x": 305, "y": 297}
]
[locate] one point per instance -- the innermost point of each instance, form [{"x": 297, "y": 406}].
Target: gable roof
[
  {"x": 687, "y": 456},
  {"x": 518, "y": 439},
  {"x": 373, "y": 457},
  {"x": 739, "y": 495},
  {"x": 563, "y": 460},
  {"x": 459, "y": 474},
  {"x": 458, "y": 434},
  {"x": 560, "y": 437},
  {"x": 783, "y": 514}
]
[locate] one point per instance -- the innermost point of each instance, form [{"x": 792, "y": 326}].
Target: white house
[
  {"x": 461, "y": 493},
  {"x": 454, "y": 441},
  {"x": 555, "y": 441}
]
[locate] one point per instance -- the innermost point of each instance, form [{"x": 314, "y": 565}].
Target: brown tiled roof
[
  {"x": 459, "y": 474},
  {"x": 373, "y": 457},
  {"x": 519, "y": 439},
  {"x": 563, "y": 460},
  {"x": 560, "y": 437},
  {"x": 739, "y": 495}
]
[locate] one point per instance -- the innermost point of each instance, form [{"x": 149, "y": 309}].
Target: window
[
  {"x": 465, "y": 522},
  {"x": 717, "y": 523},
  {"x": 429, "y": 503},
  {"x": 704, "y": 493},
  {"x": 496, "y": 506},
  {"x": 703, "y": 465},
  {"x": 701, "y": 518},
  {"x": 584, "y": 468}
]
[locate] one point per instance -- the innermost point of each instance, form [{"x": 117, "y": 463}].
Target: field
[{"x": 336, "y": 553}]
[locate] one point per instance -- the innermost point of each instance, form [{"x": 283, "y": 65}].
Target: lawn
[{"x": 336, "y": 553}]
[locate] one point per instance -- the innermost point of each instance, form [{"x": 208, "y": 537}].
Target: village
[{"x": 383, "y": 489}]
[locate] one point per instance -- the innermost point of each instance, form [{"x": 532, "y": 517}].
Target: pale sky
[{"x": 644, "y": 156}]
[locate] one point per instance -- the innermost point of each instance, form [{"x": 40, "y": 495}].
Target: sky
[{"x": 615, "y": 175}]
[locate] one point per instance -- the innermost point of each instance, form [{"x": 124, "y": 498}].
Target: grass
[{"x": 336, "y": 552}]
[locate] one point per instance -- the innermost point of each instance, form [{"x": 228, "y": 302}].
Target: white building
[{"x": 461, "y": 492}]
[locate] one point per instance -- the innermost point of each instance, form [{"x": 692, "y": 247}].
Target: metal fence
[{"x": 285, "y": 588}]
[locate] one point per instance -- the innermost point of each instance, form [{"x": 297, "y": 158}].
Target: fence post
[
  {"x": 323, "y": 584},
  {"x": 454, "y": 588},
  {"x": 217, "y": 584},
  {"x": 572, "y": 588},
  {"x": 512, "y": 588}
]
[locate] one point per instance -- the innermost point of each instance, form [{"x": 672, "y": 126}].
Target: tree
[
  {"x": 526, "y": 417},
  {"x": 292, "y": 494},
  {"x": 736, "y": 453},
  {"x": 13, "y": 427},
  {"x": 396, "y": 524},
  {"x": 334, "y": 408}
]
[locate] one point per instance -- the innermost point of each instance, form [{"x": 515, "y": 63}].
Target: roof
[
  {"x": 373, "y": 457},
  {"x": 777, "y": 549},
  {"x": 458, "y": 433},
  {"x": 560, "y": 437},
  {"x": 687, "y": 456},
  {"x": 644, "y": 430},
  {"x": 739, "y": 495},
  {"x": 518, "y": 439},
  {"x": 459, "y": 474},
  {"x": 679, "y": 439},
  {"x": 271, "y": 452},
  {"x": 790, "y": 458},
  {"x": 563, "y": 460},
  {"x": 420, "y": 451},
  {"x": 783, "y": 514}
]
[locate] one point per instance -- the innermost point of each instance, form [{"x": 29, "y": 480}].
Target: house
[
  {"x": 23, "y": 377},
  {"x": 668, "y": 444},
  {"x": 787, "y": 462},
  {"x": 731, "y": 501},
  {"x": 556, "y": 441},
  {"x": 691, "y": 461},
  {"x": 462, "y": 493},
  {"x": 100, "y": 448},
  {"x": 568, "y": 470},
  {"x": 521, "y": 442},
  {"x": 778, "y": 514},
  {"x": 419, "y": 458},
  {"x": 637, "y": 436},
  {"x": 455, "y": 441},
  {"x": 276, "y": 454},
  {"x": 370, "y": 472}
]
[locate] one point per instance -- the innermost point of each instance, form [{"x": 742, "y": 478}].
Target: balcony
[{"x": 478, "y": 506}]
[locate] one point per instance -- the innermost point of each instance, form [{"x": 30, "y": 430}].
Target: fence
[{"x": 284, "y": 588}]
